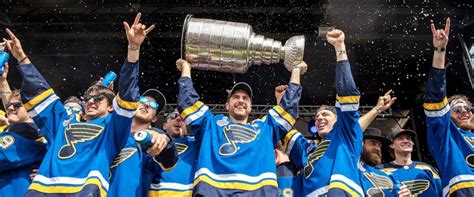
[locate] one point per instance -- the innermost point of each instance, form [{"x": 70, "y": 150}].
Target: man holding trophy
[{"x": 236, "y": 155}]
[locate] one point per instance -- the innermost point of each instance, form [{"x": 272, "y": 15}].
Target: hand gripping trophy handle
[{"x": 232, "y": 47}]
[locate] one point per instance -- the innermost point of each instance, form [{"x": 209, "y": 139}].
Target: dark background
[{"x": 389, "y": 44}]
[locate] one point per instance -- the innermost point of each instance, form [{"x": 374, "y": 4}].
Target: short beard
[{"x": 372, "y": 159}]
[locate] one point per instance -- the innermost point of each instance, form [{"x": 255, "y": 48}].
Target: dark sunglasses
[
  {"x": 172, "y": 115},
  {"x": 97, "y": 98},
  {"x": 458, "y": 109},
  {"x": 152, "y": 104},
  {"x": 75, "y": 110},
  {"x": 15, "y": 105}
]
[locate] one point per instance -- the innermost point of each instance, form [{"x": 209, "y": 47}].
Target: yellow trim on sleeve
[
  {"x": 153, "y": 193},
  {"x": 284, "y": 114},
  {"x": 344, "y": 187},
  {"x": 235, "y": 185},
  {"x": 436, "y": 106},
  {"x": 67, "y": 189},
  {"x": 38, "y": 99},
  {"x": 348, "y": 99},
  {"x": 462, "y": 185},
  {"x": 190, "y": 110},
  {"x": 126, "y": 104},
  {"x": 287, "y": 138}
]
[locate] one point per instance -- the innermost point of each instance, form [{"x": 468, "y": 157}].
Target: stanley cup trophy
[{"x": 232, "y": 47}]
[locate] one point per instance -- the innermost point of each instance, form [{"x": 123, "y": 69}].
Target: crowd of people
[{"x": 88, "y": 147}]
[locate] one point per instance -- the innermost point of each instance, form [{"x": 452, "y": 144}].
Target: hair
[
  {"x": 100, "y": 89},
  {"x": 14, "y": 94},
  {"x": 459, "y": 97}
]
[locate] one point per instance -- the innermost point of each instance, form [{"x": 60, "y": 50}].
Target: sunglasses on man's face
[
  {"x": 15, "y": 105},
  {"x": 75, "y": 110},
  {"x": 97, "y": 98},
  {"x": 152, "y": 104},
  {"x": 172, "y": 115},
  {"x": 458, "y": 109}
]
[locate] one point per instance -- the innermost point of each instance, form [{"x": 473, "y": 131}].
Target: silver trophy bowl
[{"x": 232, "y": 47}]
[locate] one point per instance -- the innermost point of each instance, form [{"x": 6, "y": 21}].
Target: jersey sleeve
[
  {"x": 42, "y": 104},
  {"x": 436, "y": 104},
  {"x": 194, "y": 112},
  {"x": 347, "y": 106},
  {"x": 125, "y": 103},
  {"x": 295, "y": 145}
]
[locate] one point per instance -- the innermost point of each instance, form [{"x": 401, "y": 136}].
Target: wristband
[
  {"x": 341, "y": 52},
  {"x": 442, "y": 49},
  {"x": 133, "y": 47},
  {"x": 22, "y": 59}
]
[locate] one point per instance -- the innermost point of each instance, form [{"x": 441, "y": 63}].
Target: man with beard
[
  {"x": 179, "y": 180},
  {"x": 450, "y": 139},
  {"x": 132, "y": 170},
  {"x": 230, "y": 145},
  {"x": 375, "y": 182},
  {"x": 22, "y": 148},
  {"x": 420, "y": 178}
]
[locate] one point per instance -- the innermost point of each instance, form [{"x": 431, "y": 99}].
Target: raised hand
[
  {"x": 137, "y": 32},
  {"x": 385, "y": 101},
  {"x": 441, "y": 36},
  {"x": 335, "y": 37},
  {"x": 279, "y": 92},
  {"x": 14, "y": 46}
]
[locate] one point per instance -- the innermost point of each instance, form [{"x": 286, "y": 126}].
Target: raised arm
[
  {"x": 194, "y": 112},
  {"x": 384, "y": 102},
  {"x": 39, "y": 99}
]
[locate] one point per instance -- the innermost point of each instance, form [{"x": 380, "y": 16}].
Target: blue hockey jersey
[
  {"x": 451, "y": 147},
  {"x": 22, "y": 150},
  {"x": 80, "y": 153},
  {"x": 230, "y": 151},
  {"x": 133, "y": 169},
  {"x": 179, "y": 180},
  {"x": 420, "y": 178},
  {"x": 375, "y": 182},
  {"x": 331, "y": 168},
  {"x": 289, "y": 181}
]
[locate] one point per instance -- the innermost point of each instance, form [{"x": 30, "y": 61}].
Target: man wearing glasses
[
  {"x": 178, "y": 181},
  {"x": 22, "y": 148},
  {"x": 133, "y": 170},
  {"x": 78, "y": 161},
  {"x": 450, "y": 139}
]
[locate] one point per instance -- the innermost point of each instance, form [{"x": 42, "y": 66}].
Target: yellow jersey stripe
[
  {"x": 61, "y": 189},
  {"x": 436, "y": 106},
  {"x": 38, "y": 99},
  {"x": 344, "y": 187},
  {"x": 285, "y": 115},
  {"x": 347, "y": 99},
  {"x": 126, "y": 104},
  {"x": 235, "y": 185},
  {"x": 190, "y": 110}
]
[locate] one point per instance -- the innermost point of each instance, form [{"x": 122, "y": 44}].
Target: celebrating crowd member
[
  {"x": 132, "y": 169},
  {"x": 77, "y": 162},
  {"x": 22, "y": 148},
  {"x": 330, "y": 168},
  {"x": 420, "y": 178},
  {"x": 179, "y": 180},
  {"x": 229, "y": 144},
  {"x": 448, "y": 123}
]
